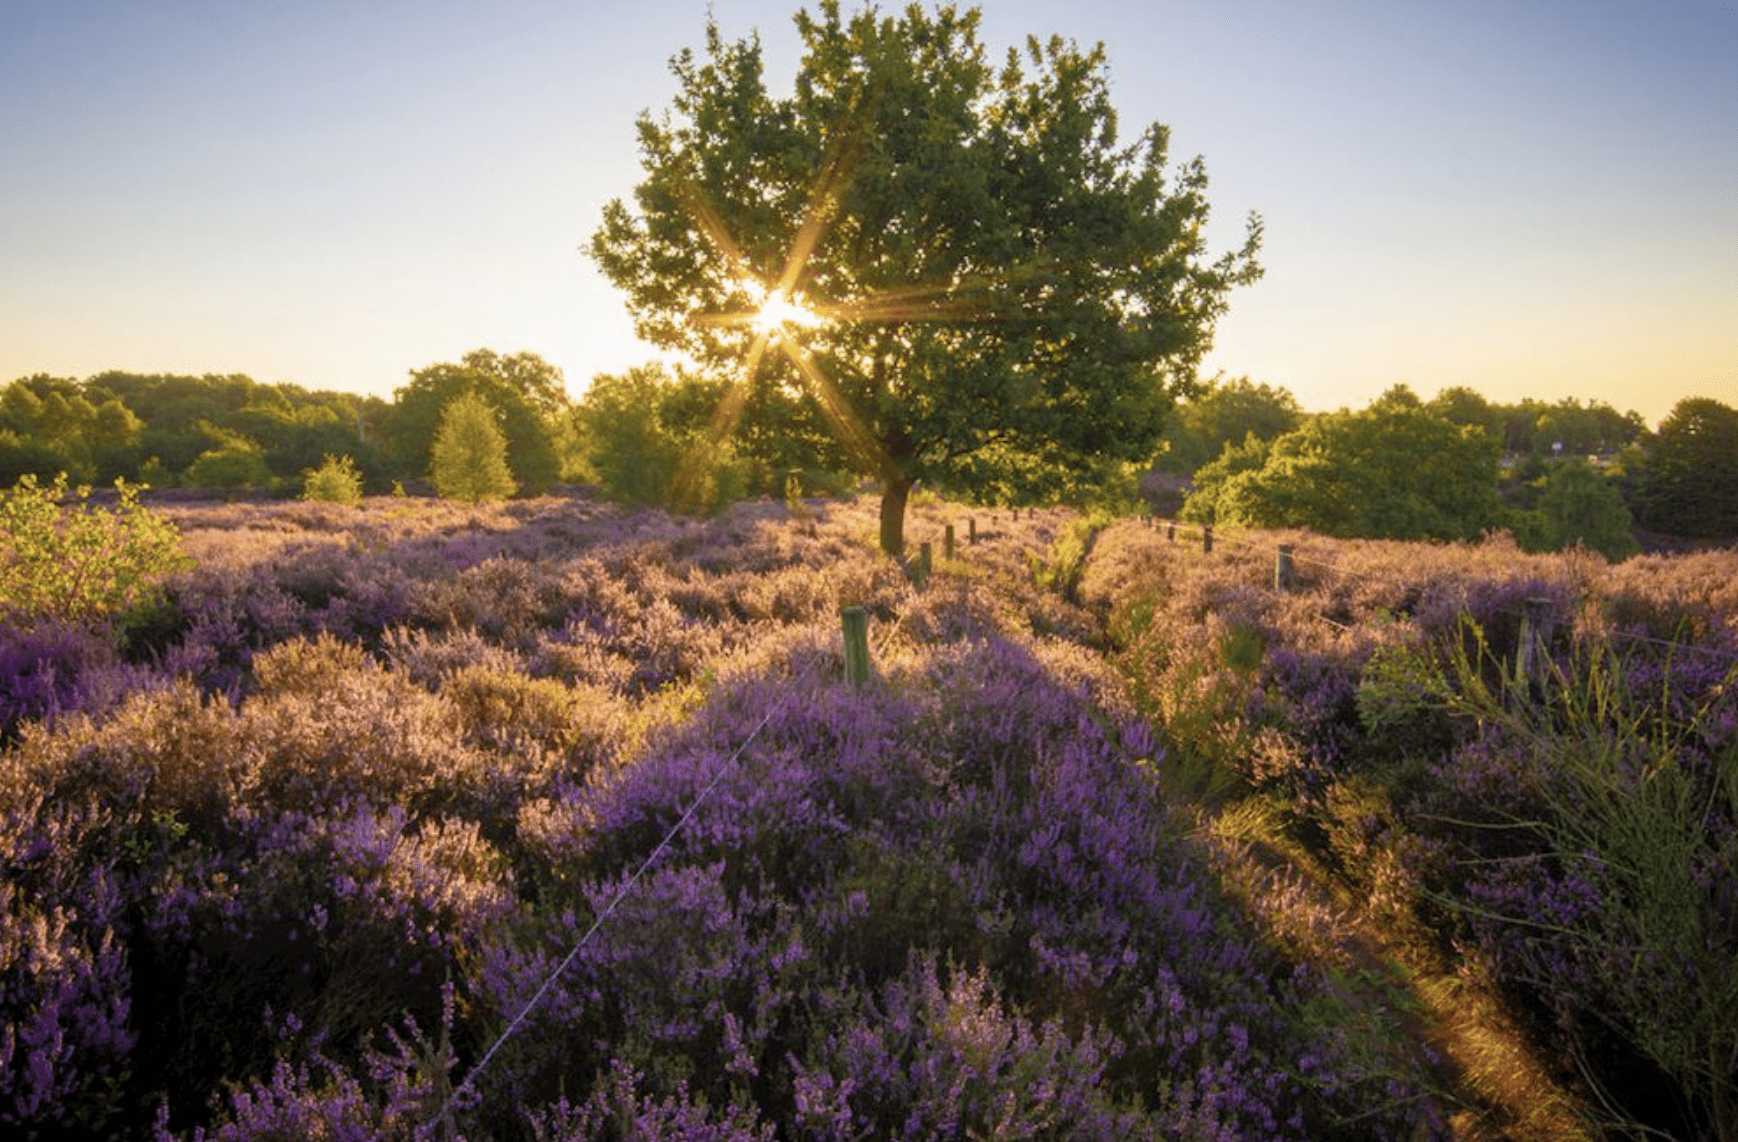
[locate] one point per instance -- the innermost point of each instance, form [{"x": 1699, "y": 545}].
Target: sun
[{"x": 779, "y": 312}]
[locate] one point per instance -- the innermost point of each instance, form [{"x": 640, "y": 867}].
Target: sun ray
[
  {"x": 730, "y": 406},
  {"x": 858, "y": 440}
]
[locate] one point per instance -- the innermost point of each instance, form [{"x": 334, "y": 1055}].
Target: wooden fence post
[
  {"x": 947, "y": 542},
  {"x": 972, "y": 531},
  {"x": 923, "y": 562},
  {"x": 856, "y": 621},
  {"x": 1206, "y": 539},
  {"x": 1171, "y": 532},
  {"x": 1283, "y": 573},
  {"x": 1530, "y": 645}
]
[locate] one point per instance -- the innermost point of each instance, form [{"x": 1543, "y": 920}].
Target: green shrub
[
  {"x": 235, "y": 463},
  {"x": 77, "y": 559},
  {"x": 335, "y": 481}
]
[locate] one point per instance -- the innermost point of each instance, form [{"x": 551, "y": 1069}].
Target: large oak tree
[{"x": 1007, "y": 294}]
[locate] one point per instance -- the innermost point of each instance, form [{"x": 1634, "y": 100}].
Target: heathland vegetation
[
  {"x": 1400, "y": 800},
  {"x": 310, "y": 839}
]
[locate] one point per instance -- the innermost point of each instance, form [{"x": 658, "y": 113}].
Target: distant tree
[
  {"x": 1212, "y": 479},
  {"x": 524, "y": 373},
  {"x": 644, "y": 438},
  {"x": 1579, "y": 505},
  {"x": 176, "y": 410},
  {"x": 1687, "y": 483},
  {"x": 507, "y": 385},
  {"x": 113, "y": 427},
  {"x": 1223, "y": 414},
  {"x": 234, "y": 461},
  {"x": 1394, "y": 471},
  {"x": 1010, "y": 295},
  {"x": 468, "y": 459},
  {"x": 296, "y": 437},
  {"x": 633, "y": 453},
  {"x": 1459, "y": 404},
  {"x": 49, "y": 422},
  {"x": 1568, "y": 427}
]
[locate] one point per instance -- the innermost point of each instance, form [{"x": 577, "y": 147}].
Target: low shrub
[
  {"x": 63, "y": 556},
  {"x": 335, "y": 481}
]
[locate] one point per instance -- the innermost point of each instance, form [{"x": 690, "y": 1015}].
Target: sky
[{"x": 1533, "y": 198}]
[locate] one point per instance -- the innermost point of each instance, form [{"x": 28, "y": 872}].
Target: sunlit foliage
[
  {"x": 64, "y": 556},
  {"x": 468, "y": 458}
]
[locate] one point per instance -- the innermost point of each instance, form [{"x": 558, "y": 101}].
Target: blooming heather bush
[
  {"x": 343, "y": 921},
  {"x": 48, "y": 668},
  {"x": 970, "y": 811},
  {"x": 618, "y": 1109},
  {"x": 508, "y": 600},
  {"x": 929, "y": 1056},
  {"x": 427, "y": 657},
  {"x": 961, "y": 900},
  {"x": 65, "y": 1027},
  {"x": 1572, "y": 827},
  {"x": 1594, "y": 833}
]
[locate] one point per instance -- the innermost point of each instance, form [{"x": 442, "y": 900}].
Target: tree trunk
[{"x": 893, "y": 496}]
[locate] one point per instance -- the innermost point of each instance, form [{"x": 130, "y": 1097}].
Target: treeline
[
  {"x": 1454, "y": 467},
  {"x": 1237, "y": 452},
  {"x": 643, "y": 435}
]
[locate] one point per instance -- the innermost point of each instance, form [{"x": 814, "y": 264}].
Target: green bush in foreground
[{"x": 77, "y": 559}]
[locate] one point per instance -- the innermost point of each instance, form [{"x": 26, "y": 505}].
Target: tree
[
  {"x": 1214, "y": 477},
  {"x": 985, "y": 289},
  {"x": 234, "y": 461},
  {"x": 524, "y": 373},
  {"x": 645, "y": 445},
  {"x": 1395, "y": 470},
  {"x": 1459, "y": 404},
  {"x": 468, "y": 460},
  {"x": 631, "y": 452},
  {"x": 1222, "y": 415},
  {"x": 512, "y": 386},
  {"x": 1688, "y": 482},
  {"x": 1579, "y": 505}
]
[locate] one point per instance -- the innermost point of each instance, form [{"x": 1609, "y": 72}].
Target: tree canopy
[
  {"x": 1222, "y": 414},
  {"x": 519, "y": 388},
  {"x": 1578, "y": 504},
  {"x": 1688, "y": 483},
  {"x": 1396, "y": 470},
  {"x": 989, "y": 290}
]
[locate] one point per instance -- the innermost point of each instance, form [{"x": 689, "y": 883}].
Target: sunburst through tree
[{"x": 923, "y": 266}]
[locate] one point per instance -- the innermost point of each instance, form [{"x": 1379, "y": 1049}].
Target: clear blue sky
[{"x": 1531, "y": 197}]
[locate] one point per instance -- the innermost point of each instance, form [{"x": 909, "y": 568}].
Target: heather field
[{"x": 548, "y": 821}]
